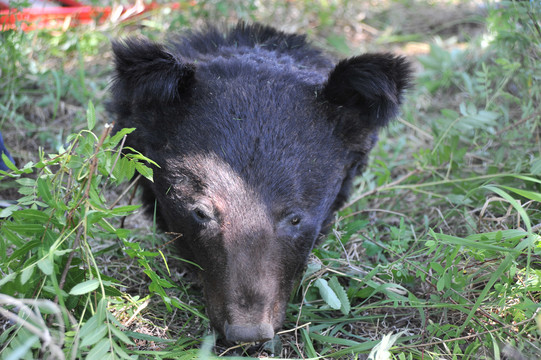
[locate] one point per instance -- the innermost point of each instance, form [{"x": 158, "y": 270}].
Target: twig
[
  {"x": 510, "y": 126},
  {"x": 93, "y": 166},
  {"x": 415, "y": 128},
  {"x": 294, "y": 329},
  {"x": 94, "y": 162},
  {"x": 70, "y": 257},
  {"x": 233, "y": 348},
  {"x": 132, "y": 184}
]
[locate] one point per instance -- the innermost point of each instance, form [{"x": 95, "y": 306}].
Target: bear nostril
[{"x": 248, "y": 333}]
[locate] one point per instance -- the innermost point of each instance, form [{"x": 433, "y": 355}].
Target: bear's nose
[{"x": 248, "y": 332}]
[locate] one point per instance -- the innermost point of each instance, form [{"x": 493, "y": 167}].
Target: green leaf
[
  {"x": 96, "y": 335},
  {"x": 527, "y": 194},
  {"x": 115, "y": 139},
  {"x": 26, "y": 182},
  {"x": 8, "y": 211},
  {"x": 7, "y": 278},
  {"x": 27, "y": 273},
  {"x": 144, "y": 170},
  {"x": 327, "y": 294},
  {"x": 101, "y": 312},
  {"x": 124, "y": 210},
  {"x": 441, "y": 283},
  {"x": 121, "y": 336},
  {"x": 85, "y": 287},
  {"x": 99, "y": 351},
  {"x": 437, "y": 267},
  {"x": 46, "y": 265},
  {"x": 44, "y": 190},
  {"x": 345, "y": 306},
  {"x": 120, "y": 352},
  {"x": 8, "y": 162},
  {"x": 91, "y": 115},
  {"x": 514, "y": 203},
  {"x": 308, "y": 346},
  {"x": 88, "y": 327}
]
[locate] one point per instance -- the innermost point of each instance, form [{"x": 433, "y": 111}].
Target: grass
[{"x": 437, "y": 255}]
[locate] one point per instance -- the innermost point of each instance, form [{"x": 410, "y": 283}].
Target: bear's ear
[
  {"x": 147, "y": 72},
  {"x": 366, "y": 92}
]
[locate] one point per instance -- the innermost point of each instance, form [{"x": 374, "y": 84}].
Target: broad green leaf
[
  {"x": 91, "y": 115},
  {"x": 327, "y": 294},
  {"x": 115, "y": 139},
  {"x": 85, "y": 287},
  {"x": 27, "y": 273},
  {"x": 345, "y": 306},
  {"x": 144, "y": 170},
  {"x": 440, "y": 285},
  {"x": 101, "y": 312},
  {"x": 437, "y": 267},
  {"x": 26, "y": 182},
  {"x": 120, "y": 352},
  {"x": 8, "y": 211},
  {"x": 95, "y": 335},
  {"x": 8, "y": 162},
  {"x": 46, "y": 265},
  {"x": 124, "y": 210},
  {"x": 89, "y": 326},
  {"x": 44, "y": 190},
  {"x": 7, "y": 278},
  {"x": 100, "y": 350},
  {"x": 121, "y": 336}
]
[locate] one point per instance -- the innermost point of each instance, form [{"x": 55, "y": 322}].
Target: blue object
[{"x": 5, "y": 151}]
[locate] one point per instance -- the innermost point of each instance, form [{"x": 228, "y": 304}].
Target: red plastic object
[{"x": 72, "y": 14}]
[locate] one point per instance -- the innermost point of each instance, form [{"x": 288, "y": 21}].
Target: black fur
[{"x": 258, "y": 136}]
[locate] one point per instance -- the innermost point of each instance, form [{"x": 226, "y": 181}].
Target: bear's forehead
[{"x": 249, "y": 64}]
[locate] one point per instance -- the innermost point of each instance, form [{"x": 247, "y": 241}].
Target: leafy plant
[{"x": 48, "y": 240}]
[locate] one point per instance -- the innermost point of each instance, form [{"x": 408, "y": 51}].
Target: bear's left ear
[{"x": 365, "y": 92}]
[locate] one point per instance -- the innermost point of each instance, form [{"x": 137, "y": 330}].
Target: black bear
[{"x": 258, "y": 136}]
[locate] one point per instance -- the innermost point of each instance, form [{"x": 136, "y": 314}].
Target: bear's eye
[
  {"x": 200, "y": 215},
  {"x": 295, "y": 220}
]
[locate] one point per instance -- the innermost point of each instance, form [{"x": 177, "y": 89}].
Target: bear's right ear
[{"x": 146, "y": 72}]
